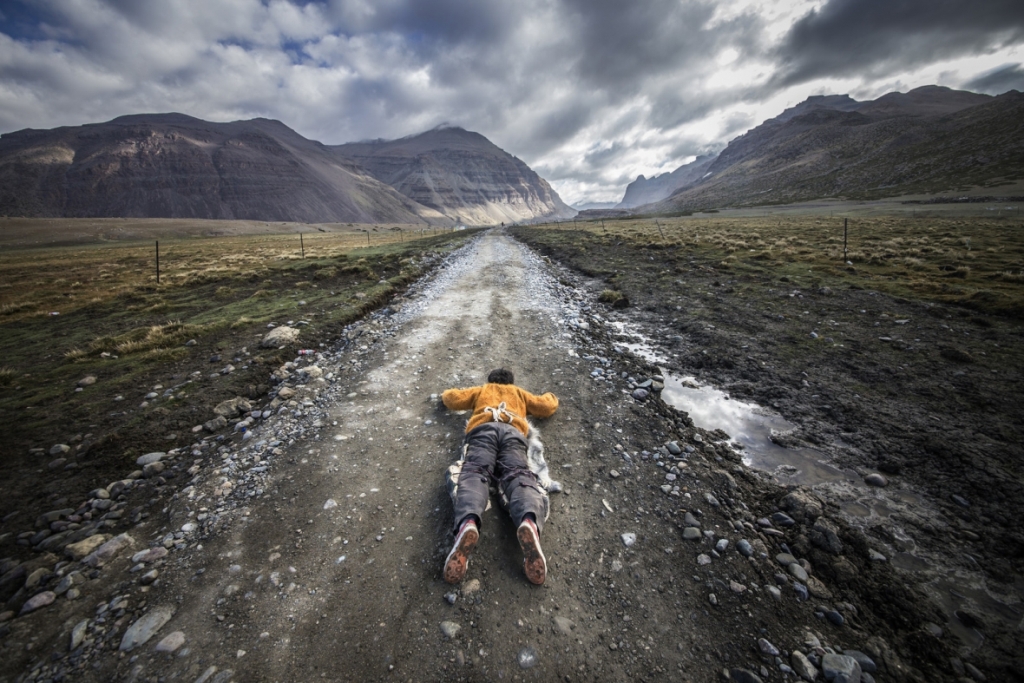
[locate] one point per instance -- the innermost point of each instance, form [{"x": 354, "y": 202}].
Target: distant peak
[{"x": 168, "y": 117}]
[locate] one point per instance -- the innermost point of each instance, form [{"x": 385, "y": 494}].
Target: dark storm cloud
[
  {"x": 1003, "y": 79},
  {"x": 861, "y": 37}
]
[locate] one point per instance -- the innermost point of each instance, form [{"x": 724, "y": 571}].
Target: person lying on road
[{"x": 496, "y": 448}]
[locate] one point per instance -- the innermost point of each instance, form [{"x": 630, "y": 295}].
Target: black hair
[{"x": 501, "y": 376}]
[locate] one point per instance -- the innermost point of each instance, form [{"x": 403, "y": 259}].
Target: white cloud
[{"x": 590, "y": 93}]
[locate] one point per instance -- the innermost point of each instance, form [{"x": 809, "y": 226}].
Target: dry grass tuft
[{"x": 6, "y": 376}]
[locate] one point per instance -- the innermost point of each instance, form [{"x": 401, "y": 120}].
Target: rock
[
  {"x": 798, "y": 572},
  {"x": 68, "y": 582},
  {"x": 470, "y": 587},
  {"x": 452, "y": 597},
  {"x": 802, "y": 505},
  {"x": 818, "y": 589},
  {"x": 840, "y": 669},
  {"x": 703, "y": 559},
  {"x": 330, "y": 503},
  {"x": 744, "y": 676},
  {"x": 170, "y": 642},
  {"x": 640, "y": 394},
  {"x": 59, "y": 449},
  {"x": 144, "y": 460},
  {"x": 145, "y": 628},
  {"x": 149, "y": 577},
  {"x": 564, "y": 625},
  {"x": 232, "y": 407},
  {"x": 450, "y": 629},
  {"x": 207, "y": 675},
  {"x": 744, "y": 548},
  {"x": 628, "y": 539},
  {"x": 800, "y": 589},
  {"x": 77, "y": 551},
  {"x": 151, "y": 555},
  {"x": 876, "y": 479},
  {"x": 802, "y": 666},
  {"x": 775, "y": 592},
  {"x": 78, "y": 634},
  {"x": 38, "y": 600},
  {"x": 824, "y": 534},
  {"x": 217, "y": 423},
  {"x": 866, "y": 663},
  {"x": 785, "y": 559},
  {"x": 713, "y": 599},
  {"x": 285, "y": 393},
  {"x": 711, "y": 500},
  {"x": 108, "y": 550},
  {"x": 87, "y": 381},
  {"x": 959, "y": 500},
  {"x": 782, "y": 519},
  {"x": 690, "y": 520},
  {"x": 974, "y": 673},
  {"x": 933, "y": 629},
  {"x": 280, "y": 336},
  {"x": 723, "y": 480},
  {"x": 722, "y": 544},
  {"x": 767, "y": 648},
  {"x": 737, "y": 587},
  {"x": 875, "y": 556},
  {"x": 835, "y": 617},
  {"x": 614, "y": 474},
  {"x": 691, "y": 534},
  {"x": 153, "y": 469},
  {"x": 673, "y": 447},
  {"x": 35, "y": 578}
]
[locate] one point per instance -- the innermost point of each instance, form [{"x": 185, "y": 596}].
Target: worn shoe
[
  {"x": 458, "y": 559},
  {"x": 534, "y": 564}
]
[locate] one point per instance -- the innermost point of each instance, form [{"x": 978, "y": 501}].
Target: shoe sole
[
  {"x": 534, "y": 564},
  {"x": 458, "y": 559}
]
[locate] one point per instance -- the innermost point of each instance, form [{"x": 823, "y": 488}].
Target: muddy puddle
[{"x": 961, "y": 595}]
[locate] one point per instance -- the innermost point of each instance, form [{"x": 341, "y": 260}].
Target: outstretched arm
[
  {"x": 542, "y": 406},
  {"x": 460, "y": 399}
]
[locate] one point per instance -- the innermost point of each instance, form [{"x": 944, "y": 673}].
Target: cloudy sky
[{"x": 590, "y": 93}]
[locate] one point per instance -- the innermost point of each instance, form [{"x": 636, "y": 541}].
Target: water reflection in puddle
[{"x": 751, "y": 426}]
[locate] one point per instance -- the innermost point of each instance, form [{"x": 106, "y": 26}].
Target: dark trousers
[{"x": 498, "y": 450}]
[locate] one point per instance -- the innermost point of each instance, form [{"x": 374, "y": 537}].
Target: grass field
[
  {"x": 96, "y": 308},
  {"x": 976, "y": 262}
]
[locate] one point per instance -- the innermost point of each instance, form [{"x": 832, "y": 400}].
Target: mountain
[
  {"x": 647, "y": 190},
  {"x": 460, "y": 174},
  {"x": 176, "y": 166},
  {"x": 928, "y": 140}
]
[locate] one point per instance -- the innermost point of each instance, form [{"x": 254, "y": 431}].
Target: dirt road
[{"x": 311, "y": 547}]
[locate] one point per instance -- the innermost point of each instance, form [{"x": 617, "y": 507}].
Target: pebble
[
  {"x": 840, "y": 669},
  {"x": 959, "y": 500},
  {"x": 775, "y": 592},
  {"x": 527, "y": 658},
  {"x": 737, "y": 587},
  {"x": 933, "y": 629},
  {"x": 171, "y": 642},
  {"x": 564, "y": 625},
  {"x": 39, "y": 600},
  {"x": 782, "y": 519},
  {"x": 876, "y": 556},
  {"x": 722, "y": 544},
  {"x": 801, "y": 592},
  {"x": 712, "y": 501},
  {"x": 145, "y": 628},
  {"x": 866, "y": 663},
  {"x": 628, "y": 539},
  {"x": 703, "y": 559},
  {"x": 802, "y": 666},
  {"x": 673, "y": 447},
  {"x": 691, "y": 534},
  {"x": 78, "y": 634},
  {"x": 450, "y": 629},
  {"x": 690, "y": 520},
  {"x": 713, "y": 599},
  {"x": 470, "y": 587},
  {"x": 640, "y": 394},
  {"x": 451, "y": 598},
  {"x": 767, "y": 648},
  {"x": 876, "y": 479},
  {"x": 614, "y": 474},
  {"x": 798, "y": 572},
  {"x": 835, "y": 617},
  {"x": 744, "y": 548},
  {"x": 744, "y": 676},
  {"x": 785, "y": 559},
  {"x": 330, "y": 503}
]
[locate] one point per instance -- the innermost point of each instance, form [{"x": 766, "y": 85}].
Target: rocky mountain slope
[
  {"x": 460, "y": 174},
  {"x": 929, "y": 140},
  {"x": 647, "y": 190},
  {"x": 176, "y": 166}
]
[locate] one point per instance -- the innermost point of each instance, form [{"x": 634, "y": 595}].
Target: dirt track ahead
[{"x": 313, "y": 549}]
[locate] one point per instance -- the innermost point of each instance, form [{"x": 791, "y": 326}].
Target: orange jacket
[{"x": 518, "y": 404}]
